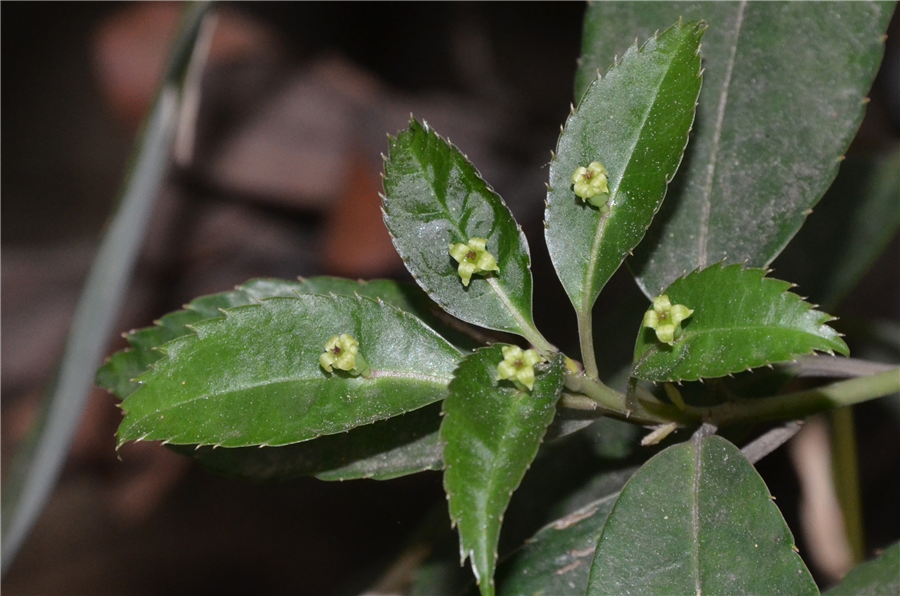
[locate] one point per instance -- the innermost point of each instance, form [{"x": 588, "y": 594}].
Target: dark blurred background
[{"x": 296, "y": 101}]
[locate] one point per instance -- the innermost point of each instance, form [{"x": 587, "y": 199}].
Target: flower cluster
[
  {"x": 590, "y": 184},
  {"x": 665, "y": 318},
  {"x": 340, "y": 352},
  {"x": 473, "y": 257},
  {"x": 518, "y": 366}
]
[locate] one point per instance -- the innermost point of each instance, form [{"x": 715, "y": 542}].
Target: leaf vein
[
  {"x": 706, "y": 203},
  {"x": 436, "y": 380}
]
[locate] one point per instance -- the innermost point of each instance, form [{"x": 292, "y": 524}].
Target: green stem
[
  {"x": 802, "y": 403},
  {"x": 610, "y": 402},
  {"x": 845, "y": 462},
  {"x": 604, "y": 396},
  {"x": 586, "y": 335},
  {"x": 791, "y": 406}
]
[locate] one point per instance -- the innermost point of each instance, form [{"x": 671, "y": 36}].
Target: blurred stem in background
[
  {"x": 36, "y": 466},
  {"x": 845, "y": 462}
]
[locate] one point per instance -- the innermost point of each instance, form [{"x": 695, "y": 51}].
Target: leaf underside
[
  {"x": 387, "y": 449},
  {"x": 434, "y": 197},
  {"x": 697, "y": 519},
  {"x": 491, "y": 433},
  {"x": 635, "y": 121},
  {"x": 253, "y": 377},
  {"x": 783, "y": 95},
  {"x": 741, "y": 320}
]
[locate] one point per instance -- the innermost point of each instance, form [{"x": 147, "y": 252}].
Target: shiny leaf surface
[
  {"x": 120, "y": 370},
  {"x": 253, "y": 377},
  {"x": 741, "y": 320},
  {"x": 491, "y": 432},
  {"x": 635, "y": 121},
  {"x": 783, "y": 94},
  {"x": 434, "y": 197}
]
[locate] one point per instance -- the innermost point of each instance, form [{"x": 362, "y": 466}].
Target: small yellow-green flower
[
  {"x": 666, "y": 319},
  {"x": 518, "y": 366},
  {"x": 473, "y": 257},
  {"x": 341, "y": 352},
  {"x": 591, "y": 185}
]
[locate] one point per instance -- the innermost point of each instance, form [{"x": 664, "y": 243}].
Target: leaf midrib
[
  {"x": 774, "y": 327},
  {"x": 494, "y": 478},
  {"x": 695, "y": 515},
  {"x": 431, "y": 379},
  {"x": 706, "y": 203},
  {"x": 723, "y": 330},
  {"x": 525, "y": 326}
]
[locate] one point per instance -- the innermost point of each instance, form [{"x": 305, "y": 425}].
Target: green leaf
[
  {"x": 491, "y": 432},
  {"x": 697, "y": 519},
  {"x": 406, "y": 297},
  {"x": 253, "y": 377},
  {"x": 783, "y": 95},
  {"x": 386, "y": 449},
  {"x": 119, "y": 372},
  {"x": 873, "y": 578},
  {"x": 741, "y": 320},
  {"x": 557, "y": 559},
  {"x": 635, "y": 121},
  {"x": 850, "y": 228},
  {"x": 434, "y": 197}
]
